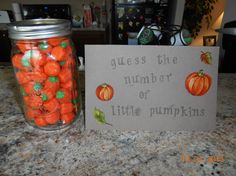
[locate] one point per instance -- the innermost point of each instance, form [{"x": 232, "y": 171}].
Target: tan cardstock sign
[{"x": 151, "y": 87}]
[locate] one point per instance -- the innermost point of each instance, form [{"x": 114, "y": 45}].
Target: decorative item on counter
[
  {"x": 77, "y": 21},
  {"x": 16, "y": 7},
  {"x": 97, "y": 13},
  {"x": 169, "y": 35},
  {"x": 92, "y": 11},
  {"x": 81, "y": 66},
  {"x": 87, "y": 16},
  {"x": 46, "y": 70},
  {"x": 104, "y": 13}
]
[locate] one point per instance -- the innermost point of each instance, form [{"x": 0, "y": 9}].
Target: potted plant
[{"x": 195, "y": 11}]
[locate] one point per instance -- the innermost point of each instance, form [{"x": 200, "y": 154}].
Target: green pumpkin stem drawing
[{"x": 100, "y": 117}]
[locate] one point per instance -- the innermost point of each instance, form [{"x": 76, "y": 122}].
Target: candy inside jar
[{"x": 46, "y": 71}]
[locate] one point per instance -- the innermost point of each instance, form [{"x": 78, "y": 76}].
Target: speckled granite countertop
[{"x": 26, "y": 151}]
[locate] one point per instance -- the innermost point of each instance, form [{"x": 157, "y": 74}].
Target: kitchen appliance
[
  {"x": 6, "y": 16},
  {"x": 58, "y": 11},
  {"x": 130, "y": 16}
]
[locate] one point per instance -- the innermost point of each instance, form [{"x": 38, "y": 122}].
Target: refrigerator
[{"x": 129, "y": 16}]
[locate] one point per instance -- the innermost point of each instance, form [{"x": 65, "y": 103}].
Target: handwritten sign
[{"x": 150, "y": 87}]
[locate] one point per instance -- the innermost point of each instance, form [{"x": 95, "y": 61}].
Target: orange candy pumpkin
[
  {"x": 52, "y": 68},
  {"x": 55, "y": 41},
  {"x": 65, "y": 75},
  {"x": 59, "y": 53},
  {"x": 52, "y": 117},
  {"x": 66, "y": 108},
  {"x": 22, "y": 77},
  {"x": 17, "y": 62},
  {"x": 45, "y": 48},
  {"x": 51, "y": 105},
  {"x": 52, "y": 83},
  {"x": 67, "y": 118},
  {"x": 39, "y": 61},
  {"x": 198, "y": 83},
  {"x": 35, "y": 102},
  {"x": 25, "y": 45},
  {"x": 105, "y": 92},
  {"x": 40, "y": 121},
  {"x": 32, "y": 113},
  {"x": 32, "y": 88},
  {"x": 70, "y": 85},
  {"x": 63, "y": 95},
  {"x": 69, "y": 63},
  {"x": 45, "y": 74},
  {"x": 37, "y": 76},
  {"x": 47, "y": 94}
]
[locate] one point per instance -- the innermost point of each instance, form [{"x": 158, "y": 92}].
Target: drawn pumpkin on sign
[
  {"x": 198, "y": 83},
  {"x": 105, "y": 92}
]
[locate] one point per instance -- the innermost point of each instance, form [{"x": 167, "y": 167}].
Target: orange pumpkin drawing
[
  {"x": 67, "y": 118},
  {"x": 198, "y": 83},
  {"x": 52, "y": 68},
  {"x": 105, "y": 92}
]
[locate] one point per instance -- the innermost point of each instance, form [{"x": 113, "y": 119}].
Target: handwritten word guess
[{"x": 127, "y": 61}]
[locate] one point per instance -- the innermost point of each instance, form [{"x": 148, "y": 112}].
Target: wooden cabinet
[{"x": 81, "y": 37}]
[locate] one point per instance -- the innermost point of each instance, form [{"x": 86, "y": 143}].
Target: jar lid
[{"x": 39, "y": 28}]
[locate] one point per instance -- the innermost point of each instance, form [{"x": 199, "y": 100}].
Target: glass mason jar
[{"x": 45, "y": 68}]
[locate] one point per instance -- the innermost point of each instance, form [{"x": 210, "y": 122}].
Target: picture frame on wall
[{"x": 209, "y": 40}]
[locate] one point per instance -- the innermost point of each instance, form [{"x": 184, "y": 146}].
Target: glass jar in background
[{"x": 45, "y": 68}]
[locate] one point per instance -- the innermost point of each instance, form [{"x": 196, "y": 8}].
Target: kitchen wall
[
  {"x": 177, "y": 11},
  {"x": 218, "y": 9},
  {"x": 229, "y": 15},
  {"x": 76, "y": 5}
]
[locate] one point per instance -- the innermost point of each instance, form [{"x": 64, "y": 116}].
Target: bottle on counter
[
  {"x": 87, "y": 16},
  {"x": 45, "y": 68}
]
